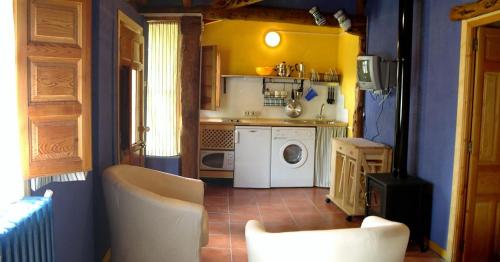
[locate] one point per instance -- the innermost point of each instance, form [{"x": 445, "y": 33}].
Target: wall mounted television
[{"x": 375, "y": 73}]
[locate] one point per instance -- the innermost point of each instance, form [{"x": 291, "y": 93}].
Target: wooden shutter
[{"x": 54, "y": 79}]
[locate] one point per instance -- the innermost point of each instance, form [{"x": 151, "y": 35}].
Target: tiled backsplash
[{"x": 245, "y": 94}]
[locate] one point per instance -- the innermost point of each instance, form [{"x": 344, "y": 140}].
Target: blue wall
[
  {"x": 434, "y": 96},
  {"x": 171, "y": 165},
  {"x": 73, "y": 220},
  {"x": 104, "y": 56},
  {"x": 437, "y": 108},
  {"x": 381, "y": 40}
]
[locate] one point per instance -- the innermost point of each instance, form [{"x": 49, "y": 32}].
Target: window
[
  {"x": 163, "y": 101},
  {"x": 11, "y": 182}
]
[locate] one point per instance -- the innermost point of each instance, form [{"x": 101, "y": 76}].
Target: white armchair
[
  {"x": 378, "y": 240},
  {"x": 154, "y": 216}
]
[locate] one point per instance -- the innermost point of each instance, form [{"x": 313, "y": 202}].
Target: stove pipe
[{"x": 400, "y": 152}]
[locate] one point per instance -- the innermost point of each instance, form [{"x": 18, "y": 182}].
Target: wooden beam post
[
  {"x": 359, "y": 100},
  {"x": 190, "y": 94}
]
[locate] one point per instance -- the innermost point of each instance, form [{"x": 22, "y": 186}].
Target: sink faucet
[{"x": 321, "y": 116}]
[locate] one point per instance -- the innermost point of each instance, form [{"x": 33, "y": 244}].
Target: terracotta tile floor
[{"x": 282, "y": 209}]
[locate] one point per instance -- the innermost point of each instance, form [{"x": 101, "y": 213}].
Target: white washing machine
[{"x": 292, "y": 156}]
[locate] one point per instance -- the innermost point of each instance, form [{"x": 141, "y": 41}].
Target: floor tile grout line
[
  {"x": 229, "y": 225},
  {"x": 319, "y": 211},
  {"x": 289, "y": 211},
  {"x": 261, "y": 218}
]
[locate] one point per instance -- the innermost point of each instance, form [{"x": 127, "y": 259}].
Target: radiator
[{"x": 26, "y": 231}]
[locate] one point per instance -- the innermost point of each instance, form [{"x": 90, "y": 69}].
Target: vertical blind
[
  {"x": 163, "y": 101},
  {"x": 11, "y": 182}
]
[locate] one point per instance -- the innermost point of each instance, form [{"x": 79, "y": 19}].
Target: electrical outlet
[{"x": 251, "y": 113}]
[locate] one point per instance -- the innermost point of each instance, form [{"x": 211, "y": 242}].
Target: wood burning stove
[{"x": 406, "y": 200}]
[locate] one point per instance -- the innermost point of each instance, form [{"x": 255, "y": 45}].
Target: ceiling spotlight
[
  {"x": 272, "y": 39},
  {"x": 319, "y": 19},
  {"x": 344, "y": 21}
]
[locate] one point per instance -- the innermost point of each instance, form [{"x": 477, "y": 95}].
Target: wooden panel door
[
  {"x": 210, "y": 78},
  {"x": 131, "y": 133},
  {"x": 482, "y": 218},
  {"x": 54, "y": 41}
]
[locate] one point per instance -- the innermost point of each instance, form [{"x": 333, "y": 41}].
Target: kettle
[
  {"x": 300, "y": 70},
  {"x": 283, "y": 69}
]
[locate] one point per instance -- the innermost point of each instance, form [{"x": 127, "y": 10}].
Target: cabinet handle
[{"x": 236, "y": 136}]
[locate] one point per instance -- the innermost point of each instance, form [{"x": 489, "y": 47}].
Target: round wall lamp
[{"x": 272, "y": 39}]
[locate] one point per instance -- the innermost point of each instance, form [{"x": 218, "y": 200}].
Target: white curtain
[
  {"x": 163, "y": 101},
  {"x": 323, "y": 165},
  {"x": 11, "y": 182}
]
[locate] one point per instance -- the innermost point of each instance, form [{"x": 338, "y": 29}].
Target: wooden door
[
  {"x": 482, "y": 217},
  {"x": 54, "y": 79},
  {"x": 131, "y": 133}
]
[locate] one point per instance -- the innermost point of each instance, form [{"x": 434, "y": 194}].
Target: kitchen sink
[{"x": 297, "y": 121}]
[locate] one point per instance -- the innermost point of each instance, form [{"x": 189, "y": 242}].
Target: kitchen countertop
[{"x": 272, "y": 122}]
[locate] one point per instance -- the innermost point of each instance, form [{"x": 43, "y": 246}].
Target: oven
[{"x": 216, "y": 160}]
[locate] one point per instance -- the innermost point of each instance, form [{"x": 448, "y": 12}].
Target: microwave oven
[{"x": 216, "y": 160}]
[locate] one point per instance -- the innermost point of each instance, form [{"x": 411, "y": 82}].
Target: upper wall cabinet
[
  {"x": 210, "y": 78},
  {"x": 54, "y": 77}
]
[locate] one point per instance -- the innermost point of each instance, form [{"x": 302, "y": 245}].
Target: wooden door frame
[
  {"x": 122, "y": 18},
  {"x": 463, "y": 132}
]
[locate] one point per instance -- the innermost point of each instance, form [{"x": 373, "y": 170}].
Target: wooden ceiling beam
[
  {"x": 360, "y": 7},
  {"x": 471, "y": 10},
  {"x": 230, "y": 4},
  {"x": 186, "y": 3},
  {"x": 259, "y": 13},
  {"x": 137, "y": 4}
]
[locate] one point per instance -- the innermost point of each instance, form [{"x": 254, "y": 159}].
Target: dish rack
[{"x": 274, "y": 101}]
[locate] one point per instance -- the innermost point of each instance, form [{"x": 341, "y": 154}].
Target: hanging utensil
[
  {"x": 333, "y": 95},
  {"x": 330, "y": 98},
  {"x": 293, "y": 107}
]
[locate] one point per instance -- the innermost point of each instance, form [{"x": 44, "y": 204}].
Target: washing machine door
[{"x": 293, "y": 154}]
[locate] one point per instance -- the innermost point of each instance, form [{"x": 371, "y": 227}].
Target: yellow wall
[
  {"x": 242, "y": 48},
  {"x": 347, "y": 52}
]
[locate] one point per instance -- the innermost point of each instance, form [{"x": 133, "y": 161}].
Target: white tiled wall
[{"x": 245, "y": 94}]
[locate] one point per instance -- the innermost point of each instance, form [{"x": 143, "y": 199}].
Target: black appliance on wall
[{"x": 398, "y": 196}]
